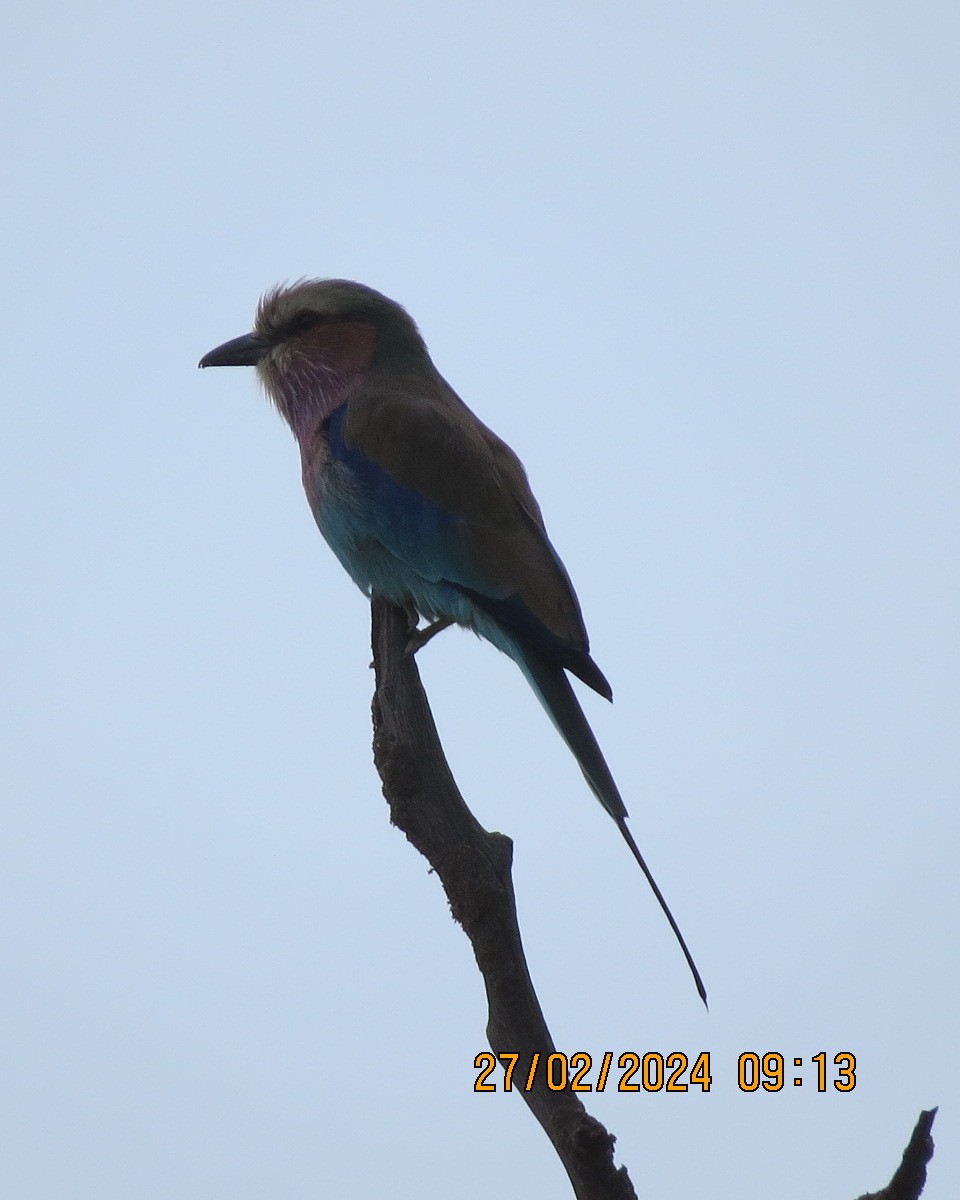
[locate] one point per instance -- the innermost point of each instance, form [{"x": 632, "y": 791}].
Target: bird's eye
[{"x": 304, "y": 321}]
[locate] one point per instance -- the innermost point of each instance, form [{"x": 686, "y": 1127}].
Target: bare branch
[
  {"x": 910, "y": 1177},
  {"x": 474, "y": 867}
]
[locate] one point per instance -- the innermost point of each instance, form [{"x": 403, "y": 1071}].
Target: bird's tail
[
  {"x": 556, "y": 694},
  {"x": 558, "y": 698}
]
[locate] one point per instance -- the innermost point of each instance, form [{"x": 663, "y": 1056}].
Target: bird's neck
[
  {"x": 307, "y": 392},
  {"x": 310, "y": 378}
]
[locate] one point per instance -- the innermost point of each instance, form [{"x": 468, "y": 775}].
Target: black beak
[{"x": 243, "y": 351}]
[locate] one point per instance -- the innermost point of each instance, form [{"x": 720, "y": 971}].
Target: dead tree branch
[
  {"x": 909, "y": 1178},
  {"x": 474, "y": 868}
]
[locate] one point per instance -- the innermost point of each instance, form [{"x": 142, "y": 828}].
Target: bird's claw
[{"x": 419, "y": 637}]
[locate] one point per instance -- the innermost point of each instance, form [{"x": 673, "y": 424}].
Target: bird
[{"x": 422, "y": 503}]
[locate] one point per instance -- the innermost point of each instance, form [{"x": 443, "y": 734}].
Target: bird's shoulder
[{"x": 417, "y": 429}]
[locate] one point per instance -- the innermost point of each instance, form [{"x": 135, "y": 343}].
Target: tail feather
[
  {"x": 628, "y": 838},
  {"x": 557, "y": 696}
]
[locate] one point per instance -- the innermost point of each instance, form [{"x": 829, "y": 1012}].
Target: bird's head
[{"x": 313, "y": 338}]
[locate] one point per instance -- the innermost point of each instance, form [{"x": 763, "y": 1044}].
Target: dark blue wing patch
[{"x": 514, "y": 615}]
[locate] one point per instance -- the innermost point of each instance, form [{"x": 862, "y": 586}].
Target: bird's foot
[{"x": 419, "y": 637}]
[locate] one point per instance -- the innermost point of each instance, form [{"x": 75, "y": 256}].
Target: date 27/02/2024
[{"x": 656, "y": 1072}]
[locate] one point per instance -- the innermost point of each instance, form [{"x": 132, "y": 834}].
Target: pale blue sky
[{"x": 698, "y": 264}]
